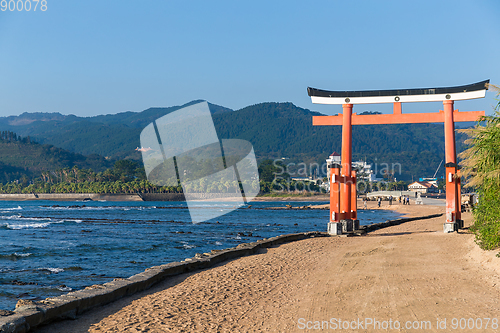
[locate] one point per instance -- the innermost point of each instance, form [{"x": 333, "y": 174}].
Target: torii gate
[{"x": 343, "y": 210}]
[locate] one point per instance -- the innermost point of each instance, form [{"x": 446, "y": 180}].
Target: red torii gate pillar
[
  {"x": 343, "y": 192},
  {"x": 453, "y": 192}
]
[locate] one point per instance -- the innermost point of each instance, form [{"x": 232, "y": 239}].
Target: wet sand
[{"x": 411, "y": 272}]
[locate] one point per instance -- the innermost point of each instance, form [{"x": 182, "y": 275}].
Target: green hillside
[
  {"x": 277, "y": 130},
  {"x": 282, "y": 130},
  {"x": 115, "y": 136},
  {"x": 22, "y": 157}
]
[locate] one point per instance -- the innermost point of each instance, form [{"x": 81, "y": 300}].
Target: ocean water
[{"x": 48, "y": 248}]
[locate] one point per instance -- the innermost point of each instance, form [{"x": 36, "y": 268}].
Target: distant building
[
  {"x": 429, "y": 180},
  {"x": 333, "y": 158},
  {"x": 305, "y": 179},
  {"x": 363, "y": 170},
  {"x": 423, "y": 187}
]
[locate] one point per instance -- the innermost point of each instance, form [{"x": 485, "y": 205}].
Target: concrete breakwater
[
  {"x": 70, "y": 197},
  {"x": 114, "y": 196}
]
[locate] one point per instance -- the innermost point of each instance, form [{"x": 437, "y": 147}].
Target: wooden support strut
[
  {"x": 337, "y": 181},
  {"x": 354, "y": 196},
  {"x": 334, "y": 193}
]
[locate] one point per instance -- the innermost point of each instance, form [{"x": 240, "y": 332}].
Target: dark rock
[{"x": 6, "y": 313}]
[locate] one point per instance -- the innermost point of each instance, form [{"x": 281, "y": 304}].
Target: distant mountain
[
  {"x": 277, "y": 130},
  {"x": 282, "y": 130},
  {"x": 114, "y": 136}
]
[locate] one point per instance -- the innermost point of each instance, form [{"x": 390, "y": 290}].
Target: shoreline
[
  {"x": 146, "y": 197},
  {"x": 75, "y": 303},
  {"x": 70, "y": 197},
  {"x": 412, "y": 271}
]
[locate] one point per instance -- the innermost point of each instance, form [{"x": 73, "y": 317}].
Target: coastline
[
  {"x": 193, "y": 262},
  {"x": 70, "y": 197},
  {"x": 148, "y": 197},
  {"x": 411, "y": 271}
]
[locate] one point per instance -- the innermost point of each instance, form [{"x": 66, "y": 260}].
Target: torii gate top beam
[{"x": 470, "y": 91}]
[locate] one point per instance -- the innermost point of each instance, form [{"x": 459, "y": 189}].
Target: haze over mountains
[{"x": 276, "y": 130}]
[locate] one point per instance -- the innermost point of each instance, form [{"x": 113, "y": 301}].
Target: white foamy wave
[
  {"x": 9, "y": 217},
  {"x": 218, "y": 243},
  {"x": 43, "y": 222},
  {"x": 16, "y": 208},
  {"x": 22, "y": 254},
  {"x": 70, "y": 220},
  {"x": 187, "y": 246},
  {"x": 48, "y": 219},
  {"x": 27, "y": 225},
  {"x": 65, "y": 288},
  {"x": 124, "y": 208},
  {"x": 52, "y": 270}
]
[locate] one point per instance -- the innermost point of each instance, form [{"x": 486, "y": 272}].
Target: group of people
[{"x": 405, "y": 199}]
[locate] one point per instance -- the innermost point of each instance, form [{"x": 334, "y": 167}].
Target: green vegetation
[
  {"x": 22, "y": 159},
  {"x": 282, "y": 130},
  {"x": 482, "y": 167},
  {"x": 276, "y": 130},
  {"x": 125, "y": 177},
  {"x": 114, "y": 136}
]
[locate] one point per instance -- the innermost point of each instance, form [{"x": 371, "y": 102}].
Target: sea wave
[
  {"x": 27, "y": 226},
  {"x": 64, "y": 288},
  {"x": 36, "y": 222},
  {"x": 71, "y": 220},
  {"x": 85, "y": 207},
  {"x": 10, "y": 217},
  {"x": 15, "y": 208},
  {"x": 51, "y": 270},
  {"x": 15, "y": 255}
]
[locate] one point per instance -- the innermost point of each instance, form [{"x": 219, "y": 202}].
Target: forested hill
[
  {"x": 23, "y": 158},
  {"x": 283, "y": 130},
  {"x": 277, "y": 130},
  {"x": 115, "y": 136}
]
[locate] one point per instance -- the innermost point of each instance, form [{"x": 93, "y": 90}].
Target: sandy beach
[{"x": 411, "y": 273}]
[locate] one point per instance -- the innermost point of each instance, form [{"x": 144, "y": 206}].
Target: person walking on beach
[
  {"x": 390, "y": 200},
  {"x": 400, "y": 199},
  {"x": 364, "y": 202},
  {"x": 408, "y": 200},
  {"x": 379, "y": 201}
]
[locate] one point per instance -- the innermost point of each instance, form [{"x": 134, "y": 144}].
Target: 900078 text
[{"x": 20, "y": 5}]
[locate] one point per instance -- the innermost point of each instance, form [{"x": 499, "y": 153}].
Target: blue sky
[{"x": 97, "y": 57}]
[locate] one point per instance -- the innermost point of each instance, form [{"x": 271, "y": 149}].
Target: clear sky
[{"x": 97, "y": 57}]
